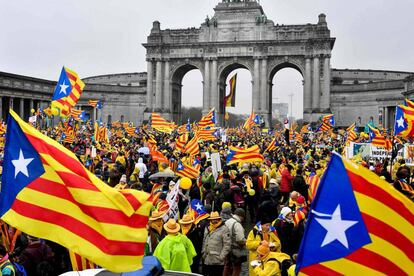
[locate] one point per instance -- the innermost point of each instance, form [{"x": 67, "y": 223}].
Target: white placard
[
  {"x": 93, "y": 152},
  {"x": 32, "y": 119},
  {"x": 215, "y": 164},
  {"x": 172, "y": 200}
]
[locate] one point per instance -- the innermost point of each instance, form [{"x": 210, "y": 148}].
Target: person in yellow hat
[
  {"x": 216, "y": 246},
  {"x": 155, "y": 231},
  {"x": 175, "y": 251},
  {"x": 269, "y": 263}
]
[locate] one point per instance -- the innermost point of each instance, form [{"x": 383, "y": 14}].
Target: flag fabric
[
  {"x": 257, "y": 120},
  {"x": 376, "y": 138},
  {"x": 352, "y": 135},
  {"x": 249, "y": 122},
  {"x": 300, "y": 214},
  {"x": 197, "y": 164},
  {"x": 198, "y": 211},
  {"x": 192, "y": 146},
  {"x": 160, "y": 124},
  {"x": 67, "y": 92},
  {"x": 181, "y": 141},
  {"x": 95, "y": 103},
  {"x": 101, "y": 133},
  {"x": 184, "y": 170},
  {"x": 272, "y": 146},
  {"x": 230, "y": 99},
  {"x": 329, "y": 119},
  {"x": 209, "y": 120},
  {"x": 79, "y": 263},
  {"x": 46, "y": 192},
  {"x": 305, "y": 128},
  {"x": 358, "y": 225},
  {"x": 324, "y": 127},
  {"x": 404, "y": 121},
  {"x": 298, "y": 138},
  {"x": 313, "y": 182},
  {"x": 241, "y": 155},
  {"x": 207, "y": 134},
  {"x": 409, "y": 103}
]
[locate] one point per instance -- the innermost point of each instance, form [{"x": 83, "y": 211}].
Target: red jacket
[{"x": 286, "y": 183}]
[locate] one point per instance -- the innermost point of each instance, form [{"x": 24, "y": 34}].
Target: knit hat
[
  {"x": 266, "y": 219},
  {"x": 172, "y": 226},
  {"x": 285, "y": 211},
  {"x": 240, "y": 212},
  {"x": 225, "y": 205}
]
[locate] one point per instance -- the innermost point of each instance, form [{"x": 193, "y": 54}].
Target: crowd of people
[{"x": 252, "y": 213}]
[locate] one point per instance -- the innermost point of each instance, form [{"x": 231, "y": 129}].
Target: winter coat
[
  {"x": 238, "y": 235},
  {"x": 216, "y": 245},
  {"x": 286, "y": 183},
  {"x": 254, "y": 239},
  {"x": 271, "y": 264}
]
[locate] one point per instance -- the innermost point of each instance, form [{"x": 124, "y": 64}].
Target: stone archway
[
  {"x": 224, "y": 69},
  {"x": 175, "y": 99},
  {"x": 240, "y": 34}
]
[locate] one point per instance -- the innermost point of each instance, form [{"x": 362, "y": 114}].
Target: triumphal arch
[{"x": 239, "y": 35}]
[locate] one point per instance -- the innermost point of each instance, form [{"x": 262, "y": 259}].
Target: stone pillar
[
  {"x": 307, "y": 103},
  {"x": 31, "y": 103},
  {"x": 150, "y": 93},
  {"x": 263, "y": 86},
  {"x": 316, "y": 85},
  {"x": 21, "y": 108},
  {"x": 207, "y": 91},
  {"x": 214, "y": 99},
  {"x": 265, "y": 94},
  {"x": 256, "y": 86},
  {"x": 385, "y": 117},
  {"x": 158, "y": 85},
  {"x": 167, "y": 88},
  {"x": 326, "y": 86}
]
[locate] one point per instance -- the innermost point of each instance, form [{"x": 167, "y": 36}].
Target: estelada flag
[
  {"x": 68, "y": 91},
  {"x": 47, "y": 193},
  {"x": 358, "y": 225}
]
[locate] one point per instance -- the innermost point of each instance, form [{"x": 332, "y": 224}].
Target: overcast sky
[{"x": 96, "y": 37}]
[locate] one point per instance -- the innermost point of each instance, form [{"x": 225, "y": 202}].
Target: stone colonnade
[{"x": 315, "y": 70}]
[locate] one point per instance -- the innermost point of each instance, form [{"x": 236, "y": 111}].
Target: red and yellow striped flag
[
  {"x": 48, "y": 193},
  {"x": 181, "y": 141},
  {"x": 192, "y": 146},
  {"x": 160, "y": 124},
  {"x": 79, "y": 263},
  {"x": 209, "y": 120}
]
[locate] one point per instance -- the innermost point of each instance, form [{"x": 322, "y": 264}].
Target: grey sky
[{"x": 96, "y": 37}]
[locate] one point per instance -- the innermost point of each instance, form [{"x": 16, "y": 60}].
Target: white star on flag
[
  {"x": 400, "y": 122},
  {"x": 20, "y": 165},
  {"x": 199, "y": 206},
  {"x": 336, "y": 228},
  {"x": 63, "y": 88}
]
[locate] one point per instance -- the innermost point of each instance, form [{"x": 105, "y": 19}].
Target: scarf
[
  {"x": 185, "y": 228},
  {"x": 213, "y": 227},
  {"x": 157, "y": 225}
]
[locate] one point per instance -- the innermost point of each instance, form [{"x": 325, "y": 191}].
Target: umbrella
[
  {"x": 162, "y": 174},
  {"x": 144, "y": 150}
]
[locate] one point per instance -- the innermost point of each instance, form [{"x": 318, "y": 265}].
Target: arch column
[
  {"x": 256, "y": 85},
  {"x": 307, "y": 91},
  {"x": 326, "y": 84},
  {"x": 266, "y": 101},
  {"x": 158, "y": 85},
  {"x": 167, "y": 89},
  {"x": 214, "y": 99},
  {"x": 316, "y": 84},
  {"x": 150, "y": 79},
  {"x": 206, "y": 86}
]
